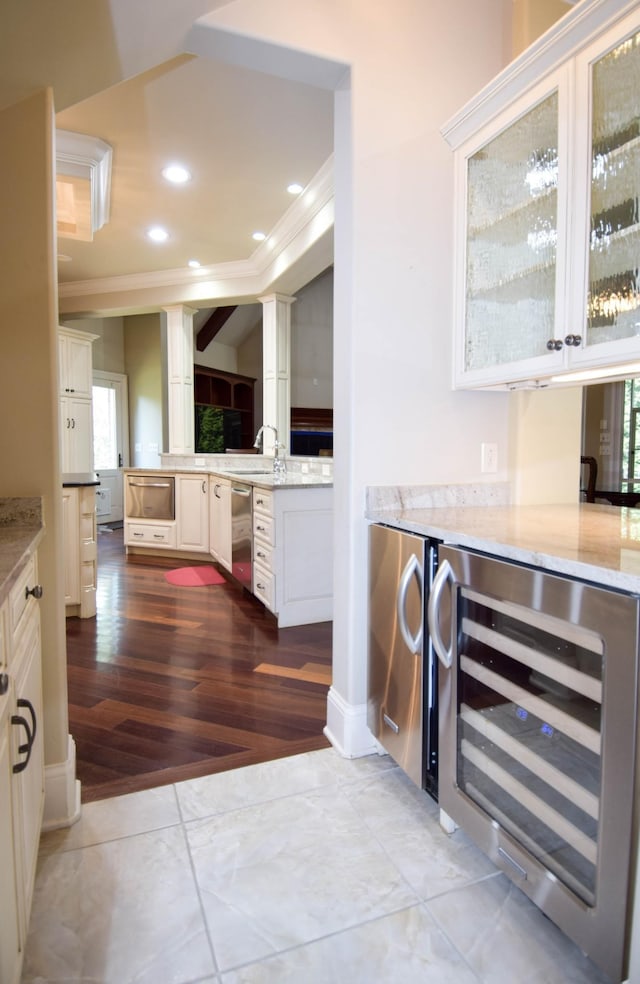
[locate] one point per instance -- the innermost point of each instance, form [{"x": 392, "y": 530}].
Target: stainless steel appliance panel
[
  {"x": 150, "y": 497},
  {"x": 396, "y": 613},
  {"x": 241, "y": 533},
  {"x": 537, "y": 711}
]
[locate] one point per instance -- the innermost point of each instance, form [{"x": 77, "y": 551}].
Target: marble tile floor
[{"x": 304, "y": 870}]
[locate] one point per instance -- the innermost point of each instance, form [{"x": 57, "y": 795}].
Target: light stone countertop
[
  {"x": 292, "y": 479},
  {"x": 21, "y": 529},
  {"x": 594, "y": 542}
]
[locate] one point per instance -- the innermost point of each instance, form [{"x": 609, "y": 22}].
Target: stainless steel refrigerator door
[{"x": 396, "y": 617}]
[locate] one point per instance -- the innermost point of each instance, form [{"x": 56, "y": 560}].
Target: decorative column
[
  {"x": 179, "y": 379},
  {"x": 276, "y": 368}
]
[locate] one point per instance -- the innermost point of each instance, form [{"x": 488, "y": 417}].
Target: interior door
[{"x": 110, "y": 442}]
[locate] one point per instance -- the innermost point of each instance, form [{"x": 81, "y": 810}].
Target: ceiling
[{"x": 243, "y": 135}]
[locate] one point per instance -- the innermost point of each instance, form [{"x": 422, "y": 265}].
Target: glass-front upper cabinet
[
  {"x": 611, "y": 321},
  {"x": 548, "y": 222},
  {"x": 513, "y": 223}
]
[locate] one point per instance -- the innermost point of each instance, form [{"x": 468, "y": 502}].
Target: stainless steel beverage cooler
[
  {"x": 537, "y": 712},
  {"x": 402, "y": 682}
]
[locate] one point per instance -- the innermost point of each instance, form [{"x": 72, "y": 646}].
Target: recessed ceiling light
[
  {"x": 176, "y": 173},
  {"x": 157, "y": 234},
  {"x": 294, "y": 189},
  {"x": 259, "y": 236},
  {"x": 194, "y": 264}
]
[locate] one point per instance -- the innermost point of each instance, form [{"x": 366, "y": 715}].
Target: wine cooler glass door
[{"x": 539, "y": 746}]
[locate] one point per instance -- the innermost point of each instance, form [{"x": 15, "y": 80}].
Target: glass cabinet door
[
  {"x": 530, "y": 732},
  {"x": 613, "y": 300},
  {"x": 511, "y": 242}
]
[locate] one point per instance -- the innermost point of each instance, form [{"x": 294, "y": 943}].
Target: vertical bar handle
[
  {"x": 412, "y": 569},
  {"x": 443, "y": 574}
]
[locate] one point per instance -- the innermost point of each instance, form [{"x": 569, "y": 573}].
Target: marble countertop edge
[{"x": 599, "y": 544}]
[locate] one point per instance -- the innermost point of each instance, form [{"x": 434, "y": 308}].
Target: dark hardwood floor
[{"x": 169, "y": 683}]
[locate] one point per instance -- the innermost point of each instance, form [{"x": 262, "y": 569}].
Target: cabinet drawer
[
  {"x": 262, "y": 501},
  {"x": 264, "y": 586},
  {"x": 20, "y": 604},
  {"x": 263, "y": 528},
  {"x": 150, "y": 535},
  {"x": 262, "y": 555}
]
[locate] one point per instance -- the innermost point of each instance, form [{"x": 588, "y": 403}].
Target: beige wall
[
  {"x": 108, "y": 348},
  {"x": 531, "y": 18},
  {"x": 545, "y": 438},
  {"x": 143, "y": 365},
  {"x": 29, "y": 362},
  {"x": 312, "y": 344}
]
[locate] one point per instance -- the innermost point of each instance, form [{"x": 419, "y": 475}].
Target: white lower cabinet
[
  {"x": 150, "y": 534},
  {"x": 192, "y": 512},
  {"x": 220, "y": 521},
  {"x": 293, "y": 553},
  {"x": 21, "y": 765},
  {"x": 80, "y": 550}
]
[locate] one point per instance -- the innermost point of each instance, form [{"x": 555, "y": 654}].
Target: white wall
[{"x": 413, "y": 63}]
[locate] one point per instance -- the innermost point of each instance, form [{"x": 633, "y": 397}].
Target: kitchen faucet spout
[{"x": 259, "y": 435}]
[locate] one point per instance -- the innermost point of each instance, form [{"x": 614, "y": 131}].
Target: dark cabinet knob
[
  {"x": 36, "y": 591},
  {"x": 554, "y": 344},
  {"x": 573, "y": 340},
  {"x": 4, "y": 683}
]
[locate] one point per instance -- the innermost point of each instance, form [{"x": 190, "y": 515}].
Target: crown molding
[
  {"x": 301, "y": 225},
  {"x": 82, "y": 156}
]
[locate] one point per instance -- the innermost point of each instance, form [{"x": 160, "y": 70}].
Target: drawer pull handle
[
  {"x": 27, "y": 747},
  {"x": 138, "y": 534},
  {"x": 158, "y": 536},
  {"x": 260, "y": 528},
  {"x": 4, "y": 683},
  {"x": 261, "y": 587},
  {"x": 260, "y": 553},
  {"x": 36, "y": 591}
]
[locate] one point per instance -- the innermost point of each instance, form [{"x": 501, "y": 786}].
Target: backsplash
[
  {"x": 295, "y": 465},
  {"x": 394, "y": 497},
  {"x": 23, "y": 511}
]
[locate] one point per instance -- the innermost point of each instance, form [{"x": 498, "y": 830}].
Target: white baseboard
[
  {"x": 347, "y": 729},
  {"x": 61, "y": 792}
]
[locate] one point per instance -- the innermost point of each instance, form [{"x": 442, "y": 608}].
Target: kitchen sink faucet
[
  {"x": 260, "y": 438},
  {"x": 279, "y": 466}
]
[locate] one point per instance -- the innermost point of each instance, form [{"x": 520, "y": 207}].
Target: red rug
[{"x": 194, "y": 577}]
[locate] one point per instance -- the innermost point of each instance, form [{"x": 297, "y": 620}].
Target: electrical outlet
[{"x": 488, "y": 458}]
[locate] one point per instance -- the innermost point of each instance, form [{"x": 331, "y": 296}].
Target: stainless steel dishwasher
[
  {"x": 241, "y": 533},
  {"x": 150, "y": 497}
]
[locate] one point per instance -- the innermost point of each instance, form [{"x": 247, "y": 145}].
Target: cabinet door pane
[
  {"x": 512, "y": 224},
  {"x": 614, "y": 285}
]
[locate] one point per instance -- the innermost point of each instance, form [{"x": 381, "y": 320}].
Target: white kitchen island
[{"x": 291, "y": 532}]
